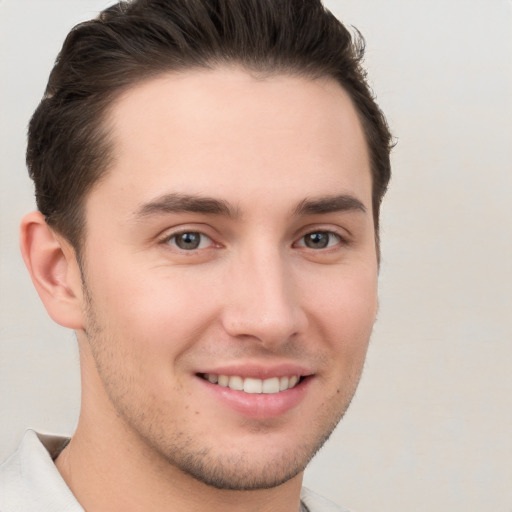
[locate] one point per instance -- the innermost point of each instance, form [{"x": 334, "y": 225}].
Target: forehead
[{"x": 228, "y": 132}]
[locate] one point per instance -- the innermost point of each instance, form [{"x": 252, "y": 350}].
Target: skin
[{"x": 257, "y": 296}]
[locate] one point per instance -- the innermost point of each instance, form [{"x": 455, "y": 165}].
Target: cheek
[
  {"x": 345, "y": 308},
  {"x": 165, "y": 309}
]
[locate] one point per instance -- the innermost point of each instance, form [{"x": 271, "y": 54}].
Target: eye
[
  {"x": 319, "y": 240},
  {"x": 189, "y": 240}
]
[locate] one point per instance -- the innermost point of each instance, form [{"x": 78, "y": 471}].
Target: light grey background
[{"x": 431, "y": 425}]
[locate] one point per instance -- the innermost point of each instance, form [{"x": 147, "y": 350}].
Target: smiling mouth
[{"x": 251, "y": 385}]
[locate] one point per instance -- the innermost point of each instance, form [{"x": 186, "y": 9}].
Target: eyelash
[
  {"x": 338, "y": 240},
  {"x": 173, "y": 240},
  {"x": 174, "y": 237}
]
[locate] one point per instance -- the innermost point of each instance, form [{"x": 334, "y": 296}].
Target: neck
[
  {"x": 107, "y": 477},
  {"x": 108, "y": 467}
]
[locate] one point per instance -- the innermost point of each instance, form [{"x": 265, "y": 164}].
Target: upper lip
[{"x": 259, "y": 371}]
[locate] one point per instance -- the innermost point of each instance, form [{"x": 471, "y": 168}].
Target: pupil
[
  {"x": 317, "y": 240},
  {"x": 188, "y": 241}
]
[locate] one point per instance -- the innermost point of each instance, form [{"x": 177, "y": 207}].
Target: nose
[{"x": 263, "y": 300}]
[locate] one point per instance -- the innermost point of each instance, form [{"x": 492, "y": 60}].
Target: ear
[{"x": 52, "y": 264}]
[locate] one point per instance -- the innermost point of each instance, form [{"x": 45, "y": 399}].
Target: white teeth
[
  {"x": 236, "y": 383},
  {"x": 293, "y": 381},
  {"x": 271, "y": 385},
  {"x": 251, "y": 385}
]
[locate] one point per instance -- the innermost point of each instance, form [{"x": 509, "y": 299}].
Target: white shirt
[{"x": 30, "y": 481}]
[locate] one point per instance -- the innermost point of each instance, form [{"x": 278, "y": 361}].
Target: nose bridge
[{"x": 263, "y": 302}]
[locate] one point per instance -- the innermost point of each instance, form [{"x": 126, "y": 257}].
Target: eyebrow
[
  {"x": 329, "y": 204},
  {"x": 184, "y": 203}
]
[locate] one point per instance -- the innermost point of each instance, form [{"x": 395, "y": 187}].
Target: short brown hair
[{"x": 68, "y": 149}]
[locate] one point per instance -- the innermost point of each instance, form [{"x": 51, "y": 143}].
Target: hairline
[{"x": 107, "y": 102}]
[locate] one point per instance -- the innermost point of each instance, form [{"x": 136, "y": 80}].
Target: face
[{"x": 230, "y": 273}]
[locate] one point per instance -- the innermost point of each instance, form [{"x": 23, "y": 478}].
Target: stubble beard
[{"x": 177, "y": 448}]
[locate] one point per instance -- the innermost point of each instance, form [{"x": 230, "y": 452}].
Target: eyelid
[
  {"x": 344, "y": 235},
  {"x": 339, "y": 241},
  {"x": 334, "y": 243},
  {"x": 202, "y": 240},
  {"x": 170, "y": 233}
]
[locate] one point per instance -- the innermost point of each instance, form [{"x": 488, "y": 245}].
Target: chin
[
  {"x": 249, "y": 467},
  {"x": 240, "y": 473}
]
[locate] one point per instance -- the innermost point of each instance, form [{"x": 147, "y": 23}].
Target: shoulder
[
  {"x": 316, "y": 503},
  {"x": 29, "y": 479}
]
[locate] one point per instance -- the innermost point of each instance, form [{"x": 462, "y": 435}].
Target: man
[{"x": 208, "y": 177}]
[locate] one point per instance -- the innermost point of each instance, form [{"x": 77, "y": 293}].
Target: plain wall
[{"x": 430, "y": 427}]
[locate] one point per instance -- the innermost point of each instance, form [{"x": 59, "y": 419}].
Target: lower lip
[{"x": 259, "y": 405}]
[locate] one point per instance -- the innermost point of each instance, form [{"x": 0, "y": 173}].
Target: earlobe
[{"x": 54, "y": 270}]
